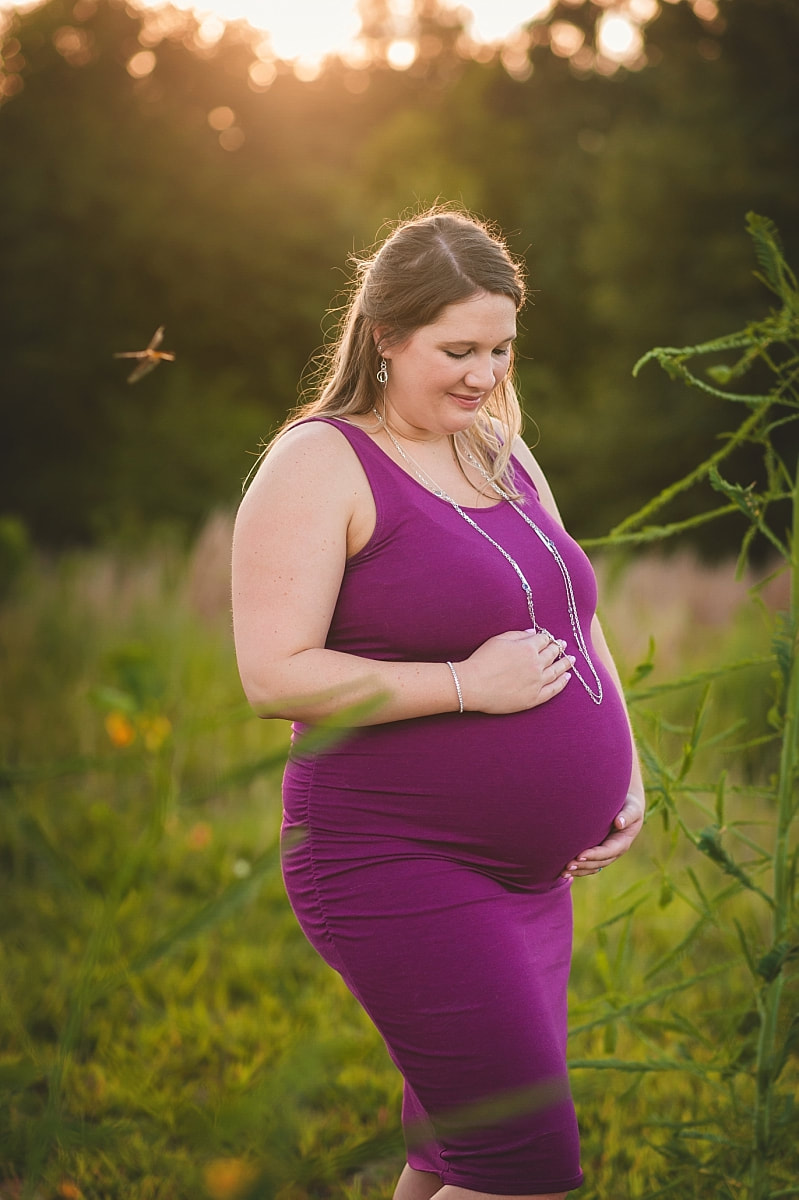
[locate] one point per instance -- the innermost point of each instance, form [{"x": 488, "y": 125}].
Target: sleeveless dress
[{"x": 422, "y": 857}]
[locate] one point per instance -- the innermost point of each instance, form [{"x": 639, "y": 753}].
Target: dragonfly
[{"x": 149, "y": 358}]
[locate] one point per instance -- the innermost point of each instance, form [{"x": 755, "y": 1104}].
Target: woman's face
[{"x": 442, "y": 375}]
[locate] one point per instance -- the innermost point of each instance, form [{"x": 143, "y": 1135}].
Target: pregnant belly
[{"x": 516, "y": 796}]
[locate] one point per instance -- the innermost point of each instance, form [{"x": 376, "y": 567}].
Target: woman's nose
[{"x": 481, "y": 373}]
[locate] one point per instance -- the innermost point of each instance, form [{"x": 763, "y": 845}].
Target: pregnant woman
[{"x": 400, "y": 542}]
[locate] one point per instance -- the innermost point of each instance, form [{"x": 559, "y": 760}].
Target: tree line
[{"x": 191, "y": 192}]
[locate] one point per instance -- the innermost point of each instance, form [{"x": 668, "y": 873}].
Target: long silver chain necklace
[{"x": 571, "y": 603}]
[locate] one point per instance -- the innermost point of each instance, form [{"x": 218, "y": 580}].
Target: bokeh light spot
[
  {"x": 232, "y": 139},
  {"x": 221, "y": 118},
  {"x": 709, "y": 49},
  {"x": 619, "y": 39},
  {"x": 565, "y": 38},
  {"x": 142, "y": 64},
  {"x": 582, "y": 61},
  {"x": 516, "y": 61},
  {"x": 262, "y": 75},
  {"x": 306, "y": 34},
  {"x": 84, "y": 9},
  {"x": 706, "y": 10},
  {"x": 401, "y": 55},
  {"x": 494, "y": 22},
  {"x": 74, "y": 45},
  {"x": 307, "y": 69},
  {"x": 10, "y": 85},
  {"x": 643, "y": 10},
  {"x": 211, "y": 29}
]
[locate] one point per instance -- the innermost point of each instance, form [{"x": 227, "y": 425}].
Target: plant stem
[{"x": 771, "y": 993}]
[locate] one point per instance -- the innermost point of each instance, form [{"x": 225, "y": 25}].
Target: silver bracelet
[{"x": 457, "y": 686}]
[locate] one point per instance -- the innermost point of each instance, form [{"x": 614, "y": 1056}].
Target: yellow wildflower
[
  {"x": 154, "y": 731},
  {"x": 120, "y": 729},
  {"x": 200, "y": 835},
  {"x": 227, "y": 1178}
]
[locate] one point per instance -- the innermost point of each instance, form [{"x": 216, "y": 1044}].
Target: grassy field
[{"x": 165, "y": 1031}]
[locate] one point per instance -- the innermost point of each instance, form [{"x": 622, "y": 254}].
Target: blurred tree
[
  {"x": 149, "y": 181},
  {"x": 699, "y": 140}
]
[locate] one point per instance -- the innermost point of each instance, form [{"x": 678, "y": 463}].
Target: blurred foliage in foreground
[
  {"x": 127, "y": 202},
  {"x": 167, "y": 1032}
]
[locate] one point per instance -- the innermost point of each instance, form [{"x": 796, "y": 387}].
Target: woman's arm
[{"x": 308, "y": 501}]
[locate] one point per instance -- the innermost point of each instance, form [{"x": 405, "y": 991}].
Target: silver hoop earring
[{"x": 382, "y": 374}]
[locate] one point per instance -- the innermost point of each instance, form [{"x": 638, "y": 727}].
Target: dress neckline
[{"x": 470, "y": 508}]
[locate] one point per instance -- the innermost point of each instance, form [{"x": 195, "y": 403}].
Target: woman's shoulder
[
  {"x": 307, "y": 442},
  {"x": 309, "y": 457}
]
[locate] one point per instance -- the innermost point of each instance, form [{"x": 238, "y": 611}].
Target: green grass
[{"x": 166, "y": 1032}]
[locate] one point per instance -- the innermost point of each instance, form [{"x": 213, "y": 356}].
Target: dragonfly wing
[
  {"x": 143, "y": 369},
  {"x": 157, "y": 338}
]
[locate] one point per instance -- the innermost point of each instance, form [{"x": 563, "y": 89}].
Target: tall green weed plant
[{"x": 727, "y": 852}]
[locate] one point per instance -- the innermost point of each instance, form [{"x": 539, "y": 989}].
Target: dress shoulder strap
[{"x": 396, "y": 496}]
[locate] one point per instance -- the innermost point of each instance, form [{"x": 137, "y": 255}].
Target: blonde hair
[{"x": 428, "y": 262}]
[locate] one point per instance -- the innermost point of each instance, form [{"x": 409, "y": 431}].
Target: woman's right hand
[{"x": 514, "y": 671}]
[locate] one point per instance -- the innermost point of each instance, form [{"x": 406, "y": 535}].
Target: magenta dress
[{"x": 423, "y": 857}]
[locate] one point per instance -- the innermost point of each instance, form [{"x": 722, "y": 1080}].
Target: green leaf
[
  {"x": 772, "y": 963},
  {"x": 709, "y": 842},
  {"x": 744, "y": 498},
  {"x": 776, "y": 275}
]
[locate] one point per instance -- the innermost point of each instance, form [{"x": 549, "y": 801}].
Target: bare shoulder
[
  {"x": 307, "y": 459},
  {"x": 523, "y": 454},
  {"x": 311, "y": 480},
  {"x": 307, "y": 447}
]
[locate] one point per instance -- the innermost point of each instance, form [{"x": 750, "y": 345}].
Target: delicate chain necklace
[{"x": 571, "y": 603}]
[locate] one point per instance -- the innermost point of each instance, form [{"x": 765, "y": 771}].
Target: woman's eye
[{"x": 499, "y": 352}]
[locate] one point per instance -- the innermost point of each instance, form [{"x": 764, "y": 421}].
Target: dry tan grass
[
  {"x": 691, "y": 609},
  {"x": 208, "y": 573},
  {"x": 697, "y": 613}
]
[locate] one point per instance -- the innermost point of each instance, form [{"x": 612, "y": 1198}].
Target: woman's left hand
[{"x": 625, "y": 830}]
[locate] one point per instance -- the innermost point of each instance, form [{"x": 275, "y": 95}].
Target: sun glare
[
  {"x": 495, "y": 20},
  {"x": 307, "y": 32},
  {"x": 619, "y": 38}
]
